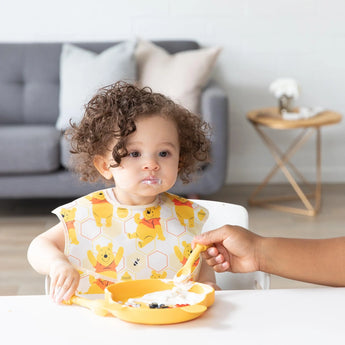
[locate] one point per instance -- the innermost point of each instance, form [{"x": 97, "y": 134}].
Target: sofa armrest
[{"x": 215, "y": 111}]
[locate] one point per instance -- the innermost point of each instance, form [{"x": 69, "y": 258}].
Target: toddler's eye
[
  {"x": 134, "y": 154},
  {"x": 163, "y": 154}
]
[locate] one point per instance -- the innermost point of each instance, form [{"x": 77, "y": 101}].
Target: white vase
[{"x": 285, "y": 104}]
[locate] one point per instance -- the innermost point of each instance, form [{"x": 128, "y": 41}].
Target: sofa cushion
[
  {"x": 83, "y": 72},
  {"x": 29, "y": 83},
  {"x": 180, "y": 76},
  {"x": 29, "y": 149}
]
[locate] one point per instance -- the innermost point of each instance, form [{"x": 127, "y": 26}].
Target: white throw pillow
[
  {"x": 83, "y": 72},
  {"x": 180, "y": 76}
]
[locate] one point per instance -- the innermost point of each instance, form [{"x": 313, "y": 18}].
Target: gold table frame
[{"x": 271, "y": 118}]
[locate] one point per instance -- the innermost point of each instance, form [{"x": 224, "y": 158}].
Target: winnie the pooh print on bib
[{"x": 109, "y": 242}]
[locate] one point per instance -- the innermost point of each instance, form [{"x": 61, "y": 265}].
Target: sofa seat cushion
[{"x": 29, "y": 149}]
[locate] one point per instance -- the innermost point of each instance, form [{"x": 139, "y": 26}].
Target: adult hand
[{"x": 233, "y": 249}]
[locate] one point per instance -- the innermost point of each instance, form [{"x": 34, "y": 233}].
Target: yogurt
[{"x": 174, "y": 297}]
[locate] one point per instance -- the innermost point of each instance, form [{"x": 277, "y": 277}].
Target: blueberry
[{"x": 153, "y": 305}]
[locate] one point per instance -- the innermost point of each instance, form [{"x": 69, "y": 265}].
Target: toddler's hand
[{"x": 64, "y": 280}]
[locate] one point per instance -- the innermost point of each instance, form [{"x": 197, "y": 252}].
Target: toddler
[{"x": 141, "y": 142}]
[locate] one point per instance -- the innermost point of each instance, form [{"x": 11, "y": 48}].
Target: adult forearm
[{"x": 316, "y": 261}]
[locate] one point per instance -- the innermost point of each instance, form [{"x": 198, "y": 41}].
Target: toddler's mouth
[{"x": 152, "y": 181}]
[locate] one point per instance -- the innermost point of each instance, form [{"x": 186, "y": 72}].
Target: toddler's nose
[{"x": 151, "y": 164}]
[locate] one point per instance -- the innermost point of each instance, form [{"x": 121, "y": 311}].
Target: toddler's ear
[{"x": 103, "y": 166}]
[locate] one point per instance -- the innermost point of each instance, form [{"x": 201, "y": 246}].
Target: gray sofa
[{"x": 33, "y": 155}]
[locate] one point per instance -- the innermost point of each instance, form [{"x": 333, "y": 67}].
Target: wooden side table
[{"x": 270, "y": 118}]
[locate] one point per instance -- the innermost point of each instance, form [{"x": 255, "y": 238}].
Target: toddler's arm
[{"x": 46, "y": 256}]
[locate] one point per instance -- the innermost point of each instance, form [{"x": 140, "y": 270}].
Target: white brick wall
[{"x": 261, "y": 40}]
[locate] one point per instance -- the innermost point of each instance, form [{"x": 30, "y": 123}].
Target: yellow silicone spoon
[{"x": 185, "y": 272}]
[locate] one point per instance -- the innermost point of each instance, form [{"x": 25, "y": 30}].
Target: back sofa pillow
[
  {"x": 83, "y": 72},
  {"x": 180, "y": 76}
]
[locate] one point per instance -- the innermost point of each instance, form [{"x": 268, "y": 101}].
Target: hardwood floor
[{"x": 21, "y": 221}]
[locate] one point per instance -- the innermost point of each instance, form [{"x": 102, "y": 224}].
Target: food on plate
[{"x": 172, "y": 298}]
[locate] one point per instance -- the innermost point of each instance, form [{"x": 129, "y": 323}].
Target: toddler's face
[{"x": 151, "y": 166}]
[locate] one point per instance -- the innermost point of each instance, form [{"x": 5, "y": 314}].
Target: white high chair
[{"x": 221, "y": 213}]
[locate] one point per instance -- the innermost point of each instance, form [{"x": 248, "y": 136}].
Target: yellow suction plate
[{"x": 119, "y": 293}]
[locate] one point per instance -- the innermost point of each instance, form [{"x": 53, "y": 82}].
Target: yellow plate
[{"x": 117, "y": 294}]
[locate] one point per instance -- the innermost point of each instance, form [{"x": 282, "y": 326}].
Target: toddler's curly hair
[{"x": 111, "y": 115}]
